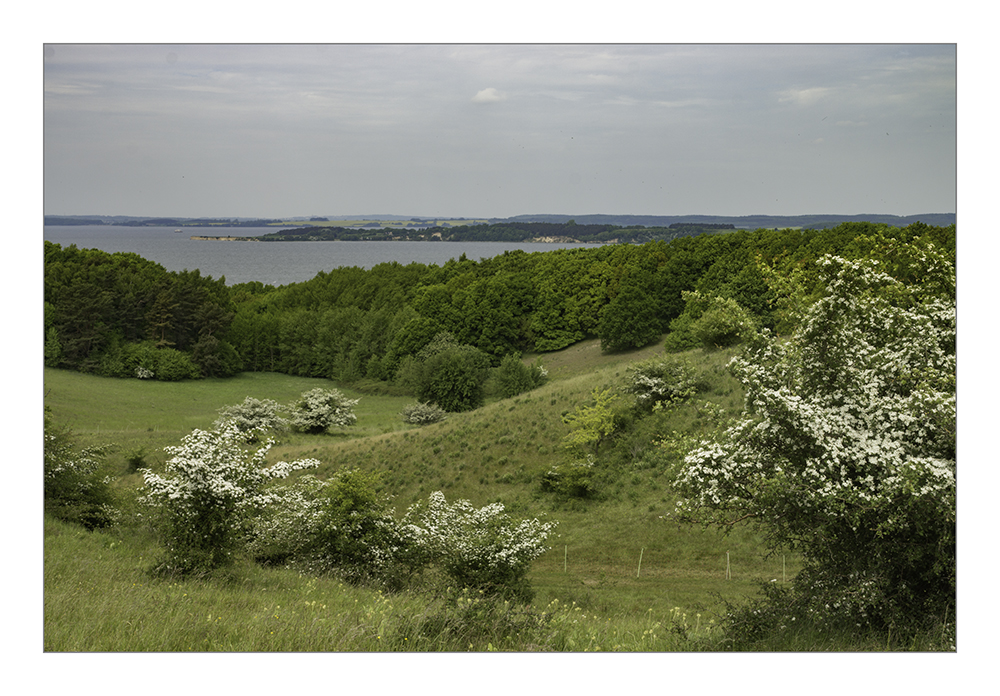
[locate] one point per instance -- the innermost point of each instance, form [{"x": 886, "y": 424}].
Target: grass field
[{"x": 619, "y": 560}]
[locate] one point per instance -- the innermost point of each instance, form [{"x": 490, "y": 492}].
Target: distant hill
[{"x": 751, "y": 222}]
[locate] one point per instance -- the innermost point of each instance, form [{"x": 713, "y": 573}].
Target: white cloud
[
  {"x": 805, "y": 97},
  {"x": 488, "y": 95}
]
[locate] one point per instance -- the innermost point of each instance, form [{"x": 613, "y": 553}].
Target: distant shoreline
[{"x": 536, "y": 240}]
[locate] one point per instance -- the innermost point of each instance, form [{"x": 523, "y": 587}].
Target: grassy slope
[{"x": 496, "y": 453}]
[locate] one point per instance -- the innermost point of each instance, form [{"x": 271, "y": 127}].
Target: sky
[{"x": 497, "y": 130}]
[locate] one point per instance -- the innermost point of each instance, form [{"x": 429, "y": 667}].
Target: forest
[{"x": 110, "y": 314}]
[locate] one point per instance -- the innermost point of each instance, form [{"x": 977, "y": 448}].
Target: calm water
[{"x": 272, "y": 263}]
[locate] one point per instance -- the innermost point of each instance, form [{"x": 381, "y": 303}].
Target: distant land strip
[
  {"x": 541, "y": 229},
  {"x": 397, "y": 222}
]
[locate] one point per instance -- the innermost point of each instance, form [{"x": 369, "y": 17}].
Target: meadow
[{"x": 621, "y": 574}]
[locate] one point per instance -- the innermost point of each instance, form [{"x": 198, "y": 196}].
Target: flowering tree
[
  {"x": 253, "y": 414},
  {"x": 213, "y": 484},
  {"x": 847, "y": 448},
  {"x": 480, "y": 548},
  {"x": 319, "y": 409}
]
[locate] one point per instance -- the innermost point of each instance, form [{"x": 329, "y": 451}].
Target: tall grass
[{"x": 100, "y": 596}]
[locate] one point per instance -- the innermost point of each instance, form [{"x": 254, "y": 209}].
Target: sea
[{"x": 271, "y": 263}]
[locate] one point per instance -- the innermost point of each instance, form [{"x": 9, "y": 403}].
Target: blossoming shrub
[
  {"x": 661, "y": 381},
  {"x": 343, "y": 525},
  {"x": 76, "y": 488},
  {"x": 847, "y": 448},
  {"x": 213, "y": 484},
  {"x": 423, "y": 414},
  {"x": 481, "y": 549},
  {"x": 253, "y": 415},
  {"x": 319, "y": 409}
]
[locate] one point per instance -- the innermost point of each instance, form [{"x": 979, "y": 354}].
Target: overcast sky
[{"x": 499, "y": 130}]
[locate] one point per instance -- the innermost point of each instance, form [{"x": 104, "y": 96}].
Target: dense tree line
[
  {"x": 115, "y": 313},
  {"x": 498, "y": 232},
  {"x": 349, "y": 323}
]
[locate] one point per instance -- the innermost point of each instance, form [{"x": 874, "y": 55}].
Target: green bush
[
  {"x": 573, "y": 480},
  {"x": 215, "y": 358},
  {"x": 455, "y": 378},
  {"x": 711, "y": 322},
  {"x": 344, "y": 526},
  {"x": 76, "y": 486},
  {"x": 145, "y": 361},
  {"x": 513, "y": 377},
  {"x": 594, "y": 422}
]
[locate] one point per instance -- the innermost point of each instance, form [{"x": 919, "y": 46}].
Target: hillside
[{"x": 497, "y": 453}]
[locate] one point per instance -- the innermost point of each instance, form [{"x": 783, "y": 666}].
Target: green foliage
[
  {"x": 630, "y": 320},
  {"x": 215, "y": 358},
  {"x": 76, "y": 486},
  {"x": 723, "y": 323},
  {"x": 352, "y": 324},
  {"x": 571, "y": 480},
  {"x": 454, "y": 378},
  {"x": 94, "y": 299},
  {"x": 343, "y": 525},
  {"x": 847, "y": 452},
  {"x": 712, "y": 322},
  {"x": 135, "y": 459},
  {"x": 143, "y": 360},
  {"x": 53, "y": 349},
  {"x": 319, "y": 409},
  {"x": 513, "y": 377},
  {"x": 593, "y": 422}
]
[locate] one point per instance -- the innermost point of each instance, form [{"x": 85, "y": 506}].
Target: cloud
[
  {"x": 488, "y": 96},
  {"x": 804, "y": 97}
]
